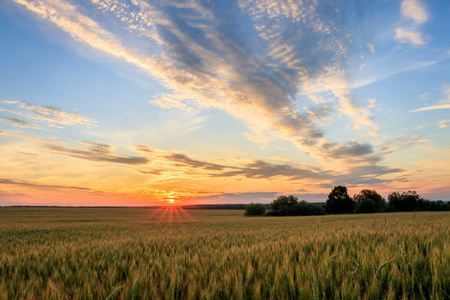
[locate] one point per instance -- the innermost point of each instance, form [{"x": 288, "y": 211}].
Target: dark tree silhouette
[
  {"x": 367, "y": 206},
  {"x": 372, "y": 195},
  {"x": 255, "y": 209},
  {"x": 284, "y": 202},
  {"x": 290, "y": 206},
  {"x": 405, "y": 201},
  {"x": 339, "y": 201}
]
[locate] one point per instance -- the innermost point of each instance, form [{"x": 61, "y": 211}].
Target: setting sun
[{"x": 170, "y": 199}]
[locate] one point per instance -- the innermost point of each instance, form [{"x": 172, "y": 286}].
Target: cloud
[
  {"x": 278, "y": 158},
  {"x": 52, "y": 116},
  {"x": 251, "y": 59},
  {"x": 183, "y": 160},
  {"x": 409, "y": 36},
  {"x": 263, "y": 169},
  {"x": 388, "y": 73},
  {"x": 280, "y": 67},
  {"x": 176, "y": 165},
  {"x": 9, "y": 101},
  {"x": 444, "y": 103},
  {"x": 38, "y": 185},
  {"x": 414, "y": 10},
  {"x": 155, "y": 172},
  {"x": 433, "y": 107},
  {"x": 95, "y": 152},
  {"x": 444, "y": 123},
  {"x": 401, "y": 142},
  {"x": 144, "y": 148},
  {"x": 351, "y": 149},
  {"x": 19, "y": 123},
  {"x": 368, "y": 176}
]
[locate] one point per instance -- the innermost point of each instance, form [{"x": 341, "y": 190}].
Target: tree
[
  {"x": 427, "y": 205},
  {"x": 367, "y": 206},
  {"x": 339, "y": 201},
  {"x": 254, "y": 209},
  {"x": 304, "y": 208},
  {"x": 284, "y": 202},
  {"x": 405, "y": 201},
  {"x": 372, "y": 195},
  {"x": 290, "y": 206}
]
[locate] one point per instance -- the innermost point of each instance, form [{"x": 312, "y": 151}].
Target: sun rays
[{"x": 171, "y": 213}]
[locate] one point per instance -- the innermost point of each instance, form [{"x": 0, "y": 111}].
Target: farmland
[{"x": 96, "y": 253}]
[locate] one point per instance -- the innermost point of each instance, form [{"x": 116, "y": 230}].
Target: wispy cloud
[
  {"x": 154, "y": 173},
  {"x": 231, "y": 56},
  {"x": 444, "y": 123},
  {"x": 401, "y": 142},
  {"x": 19, "y": 123},
  {"x": 50, "y": 115},
  {"x": 444, "y": 103},
  {"x": 39, "y": 185},
  {"x": 384, "y": 74},
  {"x": 172, "y": 165},
  {"x": 433, "y": 107},
  {"x": 95, "y": 152}
]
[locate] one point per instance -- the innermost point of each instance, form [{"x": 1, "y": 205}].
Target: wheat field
[{"x": 124, "y": 253}]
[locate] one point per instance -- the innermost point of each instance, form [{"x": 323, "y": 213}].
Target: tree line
[{"x": 339, "y": 202}]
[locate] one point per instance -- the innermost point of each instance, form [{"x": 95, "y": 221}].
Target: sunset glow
[{"x": 168, "y": 103}]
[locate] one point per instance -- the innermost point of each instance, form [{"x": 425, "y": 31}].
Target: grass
[{"x": 101, "y": 253}]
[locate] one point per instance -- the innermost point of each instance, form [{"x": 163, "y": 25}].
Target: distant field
[{"x": 82, "y": 253}]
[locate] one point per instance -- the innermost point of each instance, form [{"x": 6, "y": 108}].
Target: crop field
[{"x": 112, "y": 253}]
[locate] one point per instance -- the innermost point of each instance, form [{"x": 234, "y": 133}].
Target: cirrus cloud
[{"x": 252, "y": 59}]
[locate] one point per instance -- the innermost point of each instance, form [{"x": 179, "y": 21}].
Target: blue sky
[{"x": 108, "y": 102}]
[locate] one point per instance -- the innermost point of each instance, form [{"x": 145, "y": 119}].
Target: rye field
[{"x": 118, "y": 253}]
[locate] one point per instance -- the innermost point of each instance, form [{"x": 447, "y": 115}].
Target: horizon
[{"x": 141, "y": 103}]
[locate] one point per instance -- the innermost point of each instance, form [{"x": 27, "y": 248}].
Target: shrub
[{"x": 255, "y": 209}]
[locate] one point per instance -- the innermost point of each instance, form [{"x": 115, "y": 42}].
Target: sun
[{"x": 170, "y": 199}]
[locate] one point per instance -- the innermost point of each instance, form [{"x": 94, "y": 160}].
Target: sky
[{"x": 140, "y": 102}]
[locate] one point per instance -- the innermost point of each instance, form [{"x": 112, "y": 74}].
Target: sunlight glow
[{"x": 170, "y": 199}]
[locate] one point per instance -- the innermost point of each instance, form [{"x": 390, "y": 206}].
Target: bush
[{"x": 255, "y": 209}]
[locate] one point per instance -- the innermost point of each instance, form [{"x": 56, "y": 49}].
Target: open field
[{"x": 93, "y": 253}]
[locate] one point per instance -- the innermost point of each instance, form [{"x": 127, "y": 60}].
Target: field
[{"x": 102, "y": 253}]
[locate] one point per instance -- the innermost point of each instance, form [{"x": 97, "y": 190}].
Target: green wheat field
[{"x": 124, "y": 253}]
